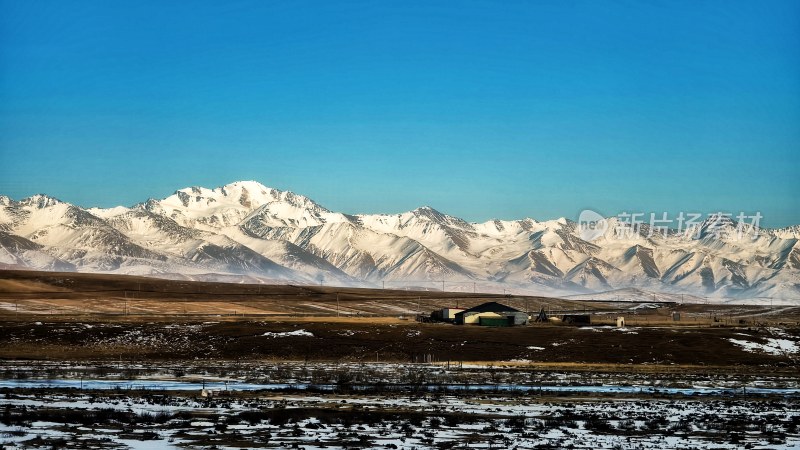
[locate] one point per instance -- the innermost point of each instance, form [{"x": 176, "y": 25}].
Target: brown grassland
[{"x": 72, "y": 316}]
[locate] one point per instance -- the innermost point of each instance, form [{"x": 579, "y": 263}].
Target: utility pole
[
  {"x": 442, "y": 285},
  {"x": 337, "y": 304}
]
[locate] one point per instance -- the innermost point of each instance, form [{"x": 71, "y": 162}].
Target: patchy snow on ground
[
  {"x": 602, "y": 328},
  {"x": 288, "y": 334},
  {"x": 645, "y": 306},
  {"x": 773, "y": 346},
  {"x": 421, "y": 422}
]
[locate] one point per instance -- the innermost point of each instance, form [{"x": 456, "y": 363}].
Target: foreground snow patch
[
  {"x": 773, "y": 346},
  {"x": 289, "y": 333}
]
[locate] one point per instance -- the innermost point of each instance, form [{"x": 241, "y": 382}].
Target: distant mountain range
[{"x": 247, "y": 231}]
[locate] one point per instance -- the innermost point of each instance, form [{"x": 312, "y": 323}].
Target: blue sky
[{"x": 481, "y": 110}]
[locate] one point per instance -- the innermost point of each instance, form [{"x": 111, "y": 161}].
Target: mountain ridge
[{"x": 246, "y": 228}]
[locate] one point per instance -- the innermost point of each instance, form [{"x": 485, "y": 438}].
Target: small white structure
[
  {"x": 620, "y": 322},
  {"x": 450, "y": 313}
]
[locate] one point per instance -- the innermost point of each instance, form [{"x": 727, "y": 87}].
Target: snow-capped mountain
[{"x": 245, "y": 228}]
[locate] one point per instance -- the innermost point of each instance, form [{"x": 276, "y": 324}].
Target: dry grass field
[
  {"x": 54, "y": 294},
  {"x": 51, "y": 293},
  {"x": 82, "y": 316}
]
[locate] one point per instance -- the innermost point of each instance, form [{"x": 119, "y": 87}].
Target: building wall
[
  {"x": 519, "y": 318},
  {"x": 496, "y": 322},
  {"x": 470, "y": 319},
  {"x": 450, "y": 313}
]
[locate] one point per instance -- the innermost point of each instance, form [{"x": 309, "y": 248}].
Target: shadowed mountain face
[{"x": 245, "y": 228}]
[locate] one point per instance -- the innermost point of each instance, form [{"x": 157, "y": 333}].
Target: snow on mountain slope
[
  {"x": 283, "y": 213},
  {"x": 592, "y": 273},
  {"x": 245, "y": 229},
  {"x": 108, "y": 213},
  {"x": 450, "y": 238},
  {"x": 211, "y": 209},
  {"x": 153, "y": 230},
  {"x": 291, "y": 256},
  {"x": 135, "y": 238},
  {"x": 365, "y": 254},
  {"x": 17, "y": 250},
  {"x": 212, "y": 251},
  {"x": 70, "y": 234},
  {"x": 792, "y": 232}
]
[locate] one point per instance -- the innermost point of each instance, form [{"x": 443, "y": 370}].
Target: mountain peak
[
  {"x": 430, "y": 213},
  {"x": 718, "y": 219},
  {"x": 426, "y": 209},
  {"x": 249, "y": 194},
  {"x": 228, "y": 205},
  {"x": 715, "y": 225},
  {"x": 40, "y": 201},
  {"x": 248, "y": 184}
]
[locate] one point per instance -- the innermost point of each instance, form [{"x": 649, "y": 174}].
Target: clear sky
[{"x": 480, "y": 109}]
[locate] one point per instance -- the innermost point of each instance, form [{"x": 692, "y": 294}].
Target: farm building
[
  {"x": 491, "y": 314},
  {"x": 446, "y": 314}
]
